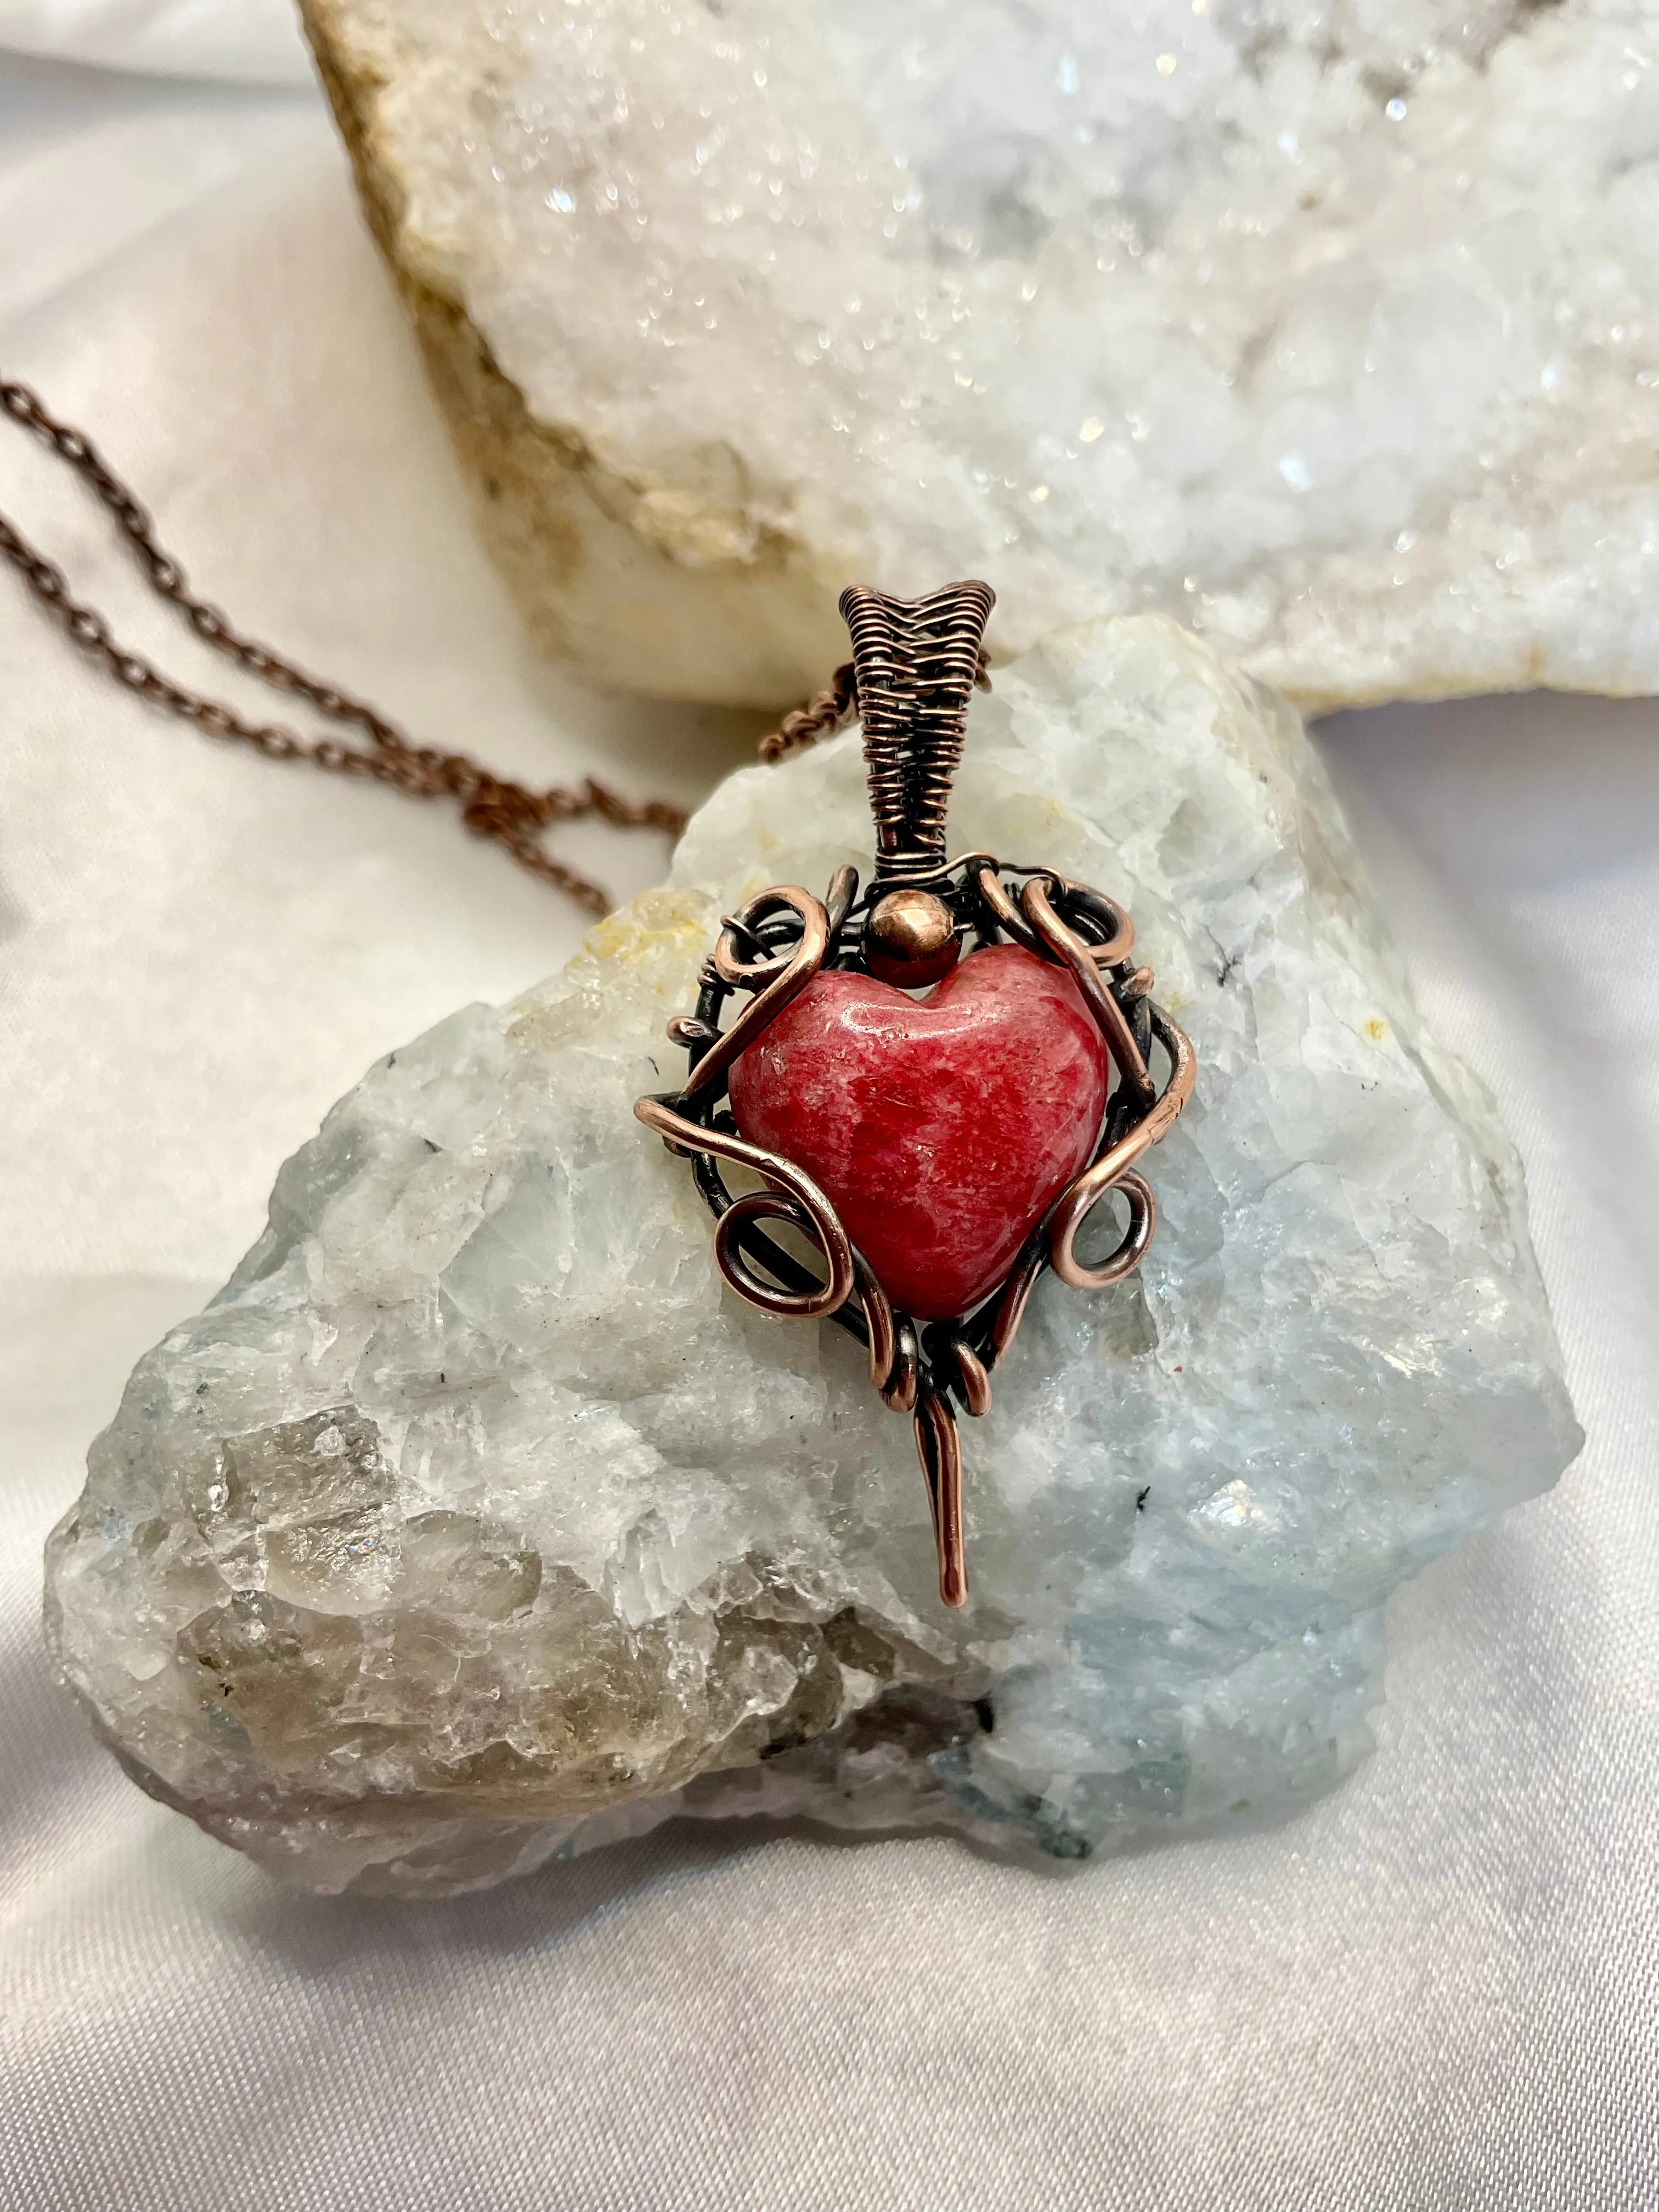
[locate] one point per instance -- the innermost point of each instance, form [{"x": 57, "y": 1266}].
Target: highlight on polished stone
[
  {"x": 943, "y": 1129},
  {"x": 474, "y": 1522}
]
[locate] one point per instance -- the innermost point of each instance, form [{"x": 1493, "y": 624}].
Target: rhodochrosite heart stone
[{"x": 941, "y": 1128}]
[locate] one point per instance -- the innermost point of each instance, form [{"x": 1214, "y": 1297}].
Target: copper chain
[
  {"x": 824, "y": 712},
  {"x": 490, "y": 805}
]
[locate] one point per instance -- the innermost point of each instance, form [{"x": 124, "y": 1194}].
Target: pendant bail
[{"x": 918, "y": 661}]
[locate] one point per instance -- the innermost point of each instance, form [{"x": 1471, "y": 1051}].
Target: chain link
[
  {"x": 490, "y": 805},
  {"x": 824, "y": 712}
]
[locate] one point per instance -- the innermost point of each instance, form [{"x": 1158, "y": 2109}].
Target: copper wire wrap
[
  {"x": 915, "y": 665},
  {"x": 912, "y": 648}
]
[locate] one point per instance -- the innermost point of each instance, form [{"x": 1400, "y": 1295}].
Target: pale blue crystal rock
[{"x": 476, "y": 1522}]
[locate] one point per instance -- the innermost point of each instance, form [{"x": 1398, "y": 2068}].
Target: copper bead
[{"x": 910, "y": 939}]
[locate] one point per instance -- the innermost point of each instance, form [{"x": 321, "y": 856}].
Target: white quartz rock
[
  {"x": 1331, "y": 329},
  {"x": 475, "y": 1522}
]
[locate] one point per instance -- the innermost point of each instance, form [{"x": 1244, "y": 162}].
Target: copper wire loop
[
  {"x": 1114, "y": 1169},
  {"x": 885, "y": 1349},
  {"x": 812, "y": 1214},
  {"x": 915, "y": 665},
  {"x": 1003, "y": 912},
  {"x": 774, "y": 1206},
  {"x": 975, "y": 1383},
  {"x": 512, "y": 814},
  {"x": 1113, "y": 1023},
  {"x": 904, "y": 1376},
  {"x": 1072, "y": 1211},
  {"x": 1086, "y": 904},
  {"x": 784, "y": 975}
]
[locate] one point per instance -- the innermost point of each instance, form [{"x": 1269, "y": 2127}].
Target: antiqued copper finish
[
  {"x": 915, "y": 664},
  {"x": 938, "y": 1443}
]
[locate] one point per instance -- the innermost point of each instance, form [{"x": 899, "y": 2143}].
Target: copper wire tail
[{"x": 939, "y": 1447}]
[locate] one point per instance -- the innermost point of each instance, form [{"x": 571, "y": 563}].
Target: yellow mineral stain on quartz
[
  {"x": 654, "y": 923},
  {"x": 1376, "y": 1030},
  {"x": 656, "y": 940}
]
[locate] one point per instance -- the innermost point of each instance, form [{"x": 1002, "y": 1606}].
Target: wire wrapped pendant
[{"x": 1043, "y": 964}]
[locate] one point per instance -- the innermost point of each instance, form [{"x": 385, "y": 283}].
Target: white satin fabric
[
  {"x": 242, "y": 41},
  {"x": 1436, "y": 1989}
]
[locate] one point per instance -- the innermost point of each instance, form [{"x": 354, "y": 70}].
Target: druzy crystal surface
[
  {"x": 475, "y": 1522},
  {"x": 1333, "y": 328},
  {"x": 941, "y": 1129}
]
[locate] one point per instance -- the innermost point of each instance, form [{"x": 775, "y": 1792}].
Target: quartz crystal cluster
[
  {"x": 1331, "y": 329},
  {"x": 475, "y": 1522}
]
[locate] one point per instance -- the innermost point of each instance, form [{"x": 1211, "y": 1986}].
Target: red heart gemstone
[{"x": 941, "y": 1129}]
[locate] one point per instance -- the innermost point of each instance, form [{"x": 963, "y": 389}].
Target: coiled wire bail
[{"x": 916, "y": 663}]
